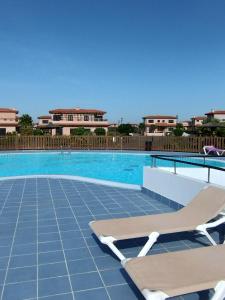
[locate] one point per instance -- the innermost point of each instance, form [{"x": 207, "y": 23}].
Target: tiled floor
[{"x": 47, "y": 250}]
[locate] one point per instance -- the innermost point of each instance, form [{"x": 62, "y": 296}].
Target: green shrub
[
  {"x": 100, "y": 131},
  {"x": 80, "y": 131}
]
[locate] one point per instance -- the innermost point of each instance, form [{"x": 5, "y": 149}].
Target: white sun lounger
[
  {"x": 166, "y": 275},
  {"x": 206, "y": 206}
]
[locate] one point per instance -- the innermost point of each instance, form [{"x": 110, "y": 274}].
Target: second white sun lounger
[
  {"x": 166, "y": 275},
  {"x": 206, "y": 206}
]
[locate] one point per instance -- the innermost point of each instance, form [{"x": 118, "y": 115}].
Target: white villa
[
  {"x": 216, "y": 114},
  {"x": 61, "y": 121},
  {"x": 159, "y": 125},
  {"x": 8, "y": 120},
  {"x": 197, "y": 121}
]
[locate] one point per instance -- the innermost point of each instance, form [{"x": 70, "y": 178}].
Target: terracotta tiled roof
[
  {"x": 217, "y": 112},
  {"x": 76, "y": 111},
  {"x": 9, "y": 124},
  {"x": 45, "y": 117},
  {"x": 9, "y": 110},
  {"x": 159, "y": 117}
]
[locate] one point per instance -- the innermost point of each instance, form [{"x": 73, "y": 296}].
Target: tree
[
  {"x": 220, "y": 131},
  {"x": 211, "y": 121},
  {"x": 179, "y": 130},
  {"x": 80, "y": 131},
  {"x": 141, "y": 128},
  {"x": 26, "y": 125},
  {"x": 112, "y": 131},
  {"x": 26, "y": 130},
  {"x": 152, "y": 128},
  {"x": 125, "y": 129},
  {"x": 25, "y": 121},
  {"x": 100, "y": 131},
  {"x": 38, "y": 132}
]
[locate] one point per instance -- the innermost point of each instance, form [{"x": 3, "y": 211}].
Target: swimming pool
[{"x": 117, "y": 167}]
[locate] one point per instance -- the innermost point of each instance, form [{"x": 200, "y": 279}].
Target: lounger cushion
[
  {"x": 179, "y": 273},
  {"x": 204, "y": 207}
]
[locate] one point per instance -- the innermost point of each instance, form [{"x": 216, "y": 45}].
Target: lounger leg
[
  {"x": 109, "y": 241},
  {"x": 219, "y": 291},
  {"x": 151, "y": 241},
  {"x": 203, "y": 228},
  {"x": 156, "y": 295},
  {"x": 205, "y": 233}
]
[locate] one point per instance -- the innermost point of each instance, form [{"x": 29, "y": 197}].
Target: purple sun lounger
[{"x": 213, "y": 150}]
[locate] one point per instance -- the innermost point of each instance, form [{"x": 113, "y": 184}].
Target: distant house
[
  {"x": 159, "y": 125},
  {"x": 44, "y": 120},
  {"x": 62, "y": 120},
  {"x": 45, "y": 124},
  {"x": 8, "y": 120},
  {"x": 186, "y": 124},
  {"x": 216, "y": 114},
  {"x": 197, "y": 121},
  {"x": 113, "y": 125}
]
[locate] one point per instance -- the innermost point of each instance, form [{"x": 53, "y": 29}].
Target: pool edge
[{"x": 79, "y": 178}]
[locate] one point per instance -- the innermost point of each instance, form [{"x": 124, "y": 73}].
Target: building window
[
  {"x": 150, "y": 121},
  {"x": 79, "y": 117},
  {"x": 70, "y": 117},
  {"x": 171, "y": 121},
  {"x": 44, "y": 121},
  {"x": 158, "y": 121},
  {"x": 163, "y": 121},
  {"x": 57, "y": 117},
  {"x": 86, "y": 118},
  {"x": 2, "y": 131}
]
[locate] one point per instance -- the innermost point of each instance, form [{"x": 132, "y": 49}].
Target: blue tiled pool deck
[{"x": 47, "y": 250}]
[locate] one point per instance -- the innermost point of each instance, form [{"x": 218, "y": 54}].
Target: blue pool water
[{"x": 119, "y": 167}]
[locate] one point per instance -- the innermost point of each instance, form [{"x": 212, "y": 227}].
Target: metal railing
[{"x": 178, "y": 159}]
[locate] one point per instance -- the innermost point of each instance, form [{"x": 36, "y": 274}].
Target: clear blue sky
[{"x": 128, "y": 57}]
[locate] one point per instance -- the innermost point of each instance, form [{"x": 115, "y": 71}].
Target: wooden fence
[{"x": 141, "y": 143}]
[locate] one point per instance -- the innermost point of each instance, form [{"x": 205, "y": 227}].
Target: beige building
[
  {"x": 44, "y": 120},
  {"x": 159, "y": 125},
  {"x": 197, "y": 121},
  {"x": 61, "y": 121},
  {"x": 216, "y": 114},
  {"x": 8, "y": 120},
  {"x": 186, "y": 124}
]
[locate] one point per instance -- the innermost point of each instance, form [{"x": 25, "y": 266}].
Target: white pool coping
[
  {"x": 79, "y": 178},
  {"x": 74, "y": 152}
]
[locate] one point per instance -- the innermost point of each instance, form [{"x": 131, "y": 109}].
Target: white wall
[
  {"x": 178, "y": 188},
  {"x": 216, "y": 177},
  {"x": 10, "y": 129}
]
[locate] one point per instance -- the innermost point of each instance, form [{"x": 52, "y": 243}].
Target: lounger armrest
[{"x": 219, "y": 291}]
